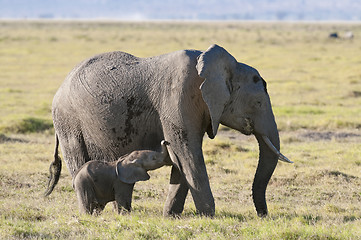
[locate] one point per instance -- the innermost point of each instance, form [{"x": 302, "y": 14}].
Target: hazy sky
[{"x": 184, "y": 9}]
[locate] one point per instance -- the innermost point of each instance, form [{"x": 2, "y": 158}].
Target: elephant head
[
  {"x": 133, "y": 167},
  {"x": 130, "y": 171},
  {"x": 236, "y": 96}
]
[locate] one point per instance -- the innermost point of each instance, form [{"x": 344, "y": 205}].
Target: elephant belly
[
  {"x": 104, "y": 195},
  {"x": 109, "y": 139}
]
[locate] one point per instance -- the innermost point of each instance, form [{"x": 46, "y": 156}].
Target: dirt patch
[
  {"x": 7, "y": 181},
  {"x": 333, "y": 174},
  {"x": 300, "y": 135},
  {"x": 233, "y": 134},
  {"x": 304, "y": 179},
  {"x": 337, "y": 175},
  {"x": 283, "y": 181},
  {"x": 329, "y": 135},
  {"x": 355, "y": 94},
  {"x": 4, "y": 139}
]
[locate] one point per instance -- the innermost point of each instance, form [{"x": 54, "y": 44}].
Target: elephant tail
[{"x": 54, "y": 169}]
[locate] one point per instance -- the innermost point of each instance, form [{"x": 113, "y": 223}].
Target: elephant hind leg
[
  {"x": 74, "y": 151},
  {"x": 86, "y": 199},
  {"x": 98, "y": 209}
]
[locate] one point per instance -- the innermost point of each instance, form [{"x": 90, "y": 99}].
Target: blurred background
[{"x": 291, "y": 10}]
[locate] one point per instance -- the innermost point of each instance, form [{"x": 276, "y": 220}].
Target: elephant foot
[
  {"x": 262, "y": 213},
  {"x": 171, "y": 214},
  {"x": 173, "y": 206},
  {"x": 207, "y": 212}
]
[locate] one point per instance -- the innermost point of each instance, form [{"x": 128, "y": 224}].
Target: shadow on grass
[
  {"x": 237, "y": 216},
  {"x": 4, "y": 139},
  {"x": 351, "y": 218}
]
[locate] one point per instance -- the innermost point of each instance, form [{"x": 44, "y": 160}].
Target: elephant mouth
[
  {"x": 248, "y": 129},
  {"x": 247, "y": 126}
]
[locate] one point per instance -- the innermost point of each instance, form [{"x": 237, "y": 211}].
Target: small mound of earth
[
  {"x": 356, "y": 94},
  {"x": 336, "y": 174},
  {"x": 4, "y": 139},
  {"x": 318, "y": 136}
]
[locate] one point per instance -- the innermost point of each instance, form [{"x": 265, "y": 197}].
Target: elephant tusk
[{"x": 274, "y": 149}]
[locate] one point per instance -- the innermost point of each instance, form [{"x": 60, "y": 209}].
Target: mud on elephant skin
[
  {"x": 99, "y": 182},
  {"x": 114, "y": 103}
]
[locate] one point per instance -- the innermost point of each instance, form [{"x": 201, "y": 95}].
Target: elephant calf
[{"x": 98, "y": 183}]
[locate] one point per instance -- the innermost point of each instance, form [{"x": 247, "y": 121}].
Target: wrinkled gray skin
[
  {"x": 115, "y": 103},
  {"x": 99, "y": 182}
]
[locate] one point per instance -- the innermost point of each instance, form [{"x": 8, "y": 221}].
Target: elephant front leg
[
  {"x": 190, "y": 173},
  {"x": 201, "y": 192},
  {"x": 177, "y": 193},
  {"x": 123, "y": 198}
]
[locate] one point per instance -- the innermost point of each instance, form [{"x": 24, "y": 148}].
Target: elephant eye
[
  {"x": 256, "y": 79},
  {"x": 264, "y": 85}
]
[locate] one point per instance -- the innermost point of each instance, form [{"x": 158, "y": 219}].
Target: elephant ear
[
  {"x": 131, "y": 172},
  {"x": 216, "y": 66}
]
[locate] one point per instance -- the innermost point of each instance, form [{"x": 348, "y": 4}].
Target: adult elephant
[{"x": 114, "y": 103}]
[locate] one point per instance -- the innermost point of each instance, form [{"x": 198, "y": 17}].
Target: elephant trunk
[
  {"x": 266, "y": 133},
  {"x": 268, "y": 158}
]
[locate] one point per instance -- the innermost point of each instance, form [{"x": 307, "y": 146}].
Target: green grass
[
  {"x": 314, "y": 83},
  {"x": 29, "y": 125}
]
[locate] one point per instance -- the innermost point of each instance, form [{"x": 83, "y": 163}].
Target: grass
[{"x": 314, "y": 83}]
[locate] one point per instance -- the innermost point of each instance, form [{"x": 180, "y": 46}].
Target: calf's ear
[{"x": 131, "y": 172}]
